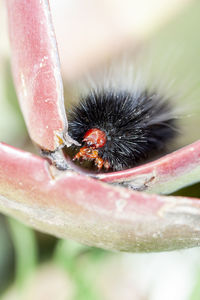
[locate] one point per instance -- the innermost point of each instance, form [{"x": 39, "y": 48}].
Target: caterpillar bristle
[{"x": 137, "y": 125}]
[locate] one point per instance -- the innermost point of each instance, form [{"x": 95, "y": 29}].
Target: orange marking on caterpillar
[{"x": 94, "y": 139}]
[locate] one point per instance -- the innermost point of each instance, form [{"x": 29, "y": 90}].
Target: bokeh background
[{"x": 34, "y": 265}]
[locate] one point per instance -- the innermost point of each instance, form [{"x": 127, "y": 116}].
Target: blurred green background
[{"x": 38, "y": 266}]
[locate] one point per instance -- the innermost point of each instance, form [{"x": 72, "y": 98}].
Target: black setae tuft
[{"x": 136, "y": 126}]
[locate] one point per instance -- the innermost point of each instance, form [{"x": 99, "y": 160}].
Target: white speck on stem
[
  {"x": 23, "y": 85},
  {"x": 120, "y": 204}
]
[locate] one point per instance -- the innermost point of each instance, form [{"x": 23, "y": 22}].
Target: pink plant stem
[
  {"x": 165, "y": 175},
  {"x": 70, "y": 205},
  {"x": 36, "y": 72}
]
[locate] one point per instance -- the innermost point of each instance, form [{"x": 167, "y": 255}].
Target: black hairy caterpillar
[{"x": 136, "y": 125}]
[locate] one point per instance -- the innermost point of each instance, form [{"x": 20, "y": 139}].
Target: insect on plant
[
  {"x": 116, "y": 205},
  {"x": 121, "y": 128}
]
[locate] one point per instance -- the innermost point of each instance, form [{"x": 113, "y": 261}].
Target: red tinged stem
[
  {"x": 36, "y": 72},
  {"x": 70, "y": 205},
  {"x": 165, "y": 175}
]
